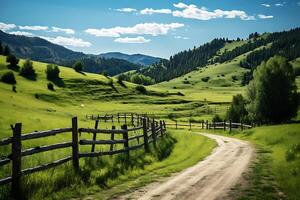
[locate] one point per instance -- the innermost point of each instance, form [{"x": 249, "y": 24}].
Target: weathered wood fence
[
  {"x": 205, "y": 124},
  {"x": 151, "y": 130}
]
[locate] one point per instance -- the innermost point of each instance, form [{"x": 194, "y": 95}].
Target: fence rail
[{"x": 148, "y": 127}]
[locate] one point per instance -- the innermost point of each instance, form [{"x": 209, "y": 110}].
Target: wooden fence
[
  {"x": 210, "y": 125},
  {"x": 151, "y": 130}
]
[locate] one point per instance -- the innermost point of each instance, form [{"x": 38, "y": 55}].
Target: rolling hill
[
  {"x": 134, "y": 58},
  {"x": 38, "y": 49}
]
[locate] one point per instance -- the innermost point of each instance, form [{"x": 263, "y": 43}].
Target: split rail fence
[{"x": 151, "y": 130}]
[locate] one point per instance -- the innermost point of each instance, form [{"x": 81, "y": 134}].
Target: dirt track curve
[{"x": 209, "y": 179}]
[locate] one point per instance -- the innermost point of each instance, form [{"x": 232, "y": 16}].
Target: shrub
[
  {"x": 237, "y": 110},
  {"x": 141, "y": 89},
  {"x": 104, "y": 73},
  {"x": 186, "y": 82},
  {"x": 78, "y": 67},
  {"x": 13, "y": 62},
  {"x": 9, "y": 78},
  {"x": 217, "y": 118},
  {"x": 205, "y": 79},
  {"x": 234, "y": 78},
  {"x": 14, "y": 88},
  {"x": 50, "y": 86},
  {"x": 27, "y": 70},
  {"x": 52, "y": 72}
]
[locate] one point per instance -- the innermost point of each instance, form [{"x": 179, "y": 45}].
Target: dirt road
[{"x": 209, "y": 179}]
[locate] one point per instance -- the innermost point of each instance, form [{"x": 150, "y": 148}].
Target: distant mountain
[
  {"x": 38, "y": 49},
  {"x": 134, "y": 58}
]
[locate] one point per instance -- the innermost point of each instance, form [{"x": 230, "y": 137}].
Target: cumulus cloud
[
  {"x": 68, "y": 41},
  {"x": 279, "y": 4},
  {"x": 181, "y": 37},
  {"x": 266, "y": 5},
  {"x": 193, "y": 12},
  {"x": 21, "y": 33},
  {"x": 64, "y": 30},
  {"x": 150, "y": 11},
  {"x": 6, "y": 27},
  {"x": 138, "y": 39},
  {"x": 128, "y": 10},
  {"x": 261, "y": 16},
  {"x": 153, "y": 29},
  {"x": 34, "y": 28}
]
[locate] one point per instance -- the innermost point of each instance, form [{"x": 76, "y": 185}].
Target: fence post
[
  {"x": 190, "y": 124},
  {"x": 112, "y": 137},
  {"x": 118, "y": 117},
  {"x": 153, "y": 133},
  {"x": 132, "y": 122},
  {"x": 125, "y": 118},
  {"x": 112, "y": 118},
  {"x": 145, "y": 135},
  {"x": 95, "y": 135},
  {"x": 16, "y": 161},
  {"x": 224, "y": 123},
  {"x": 75, "y": 143},
  {"x": 230, "y": 126},
  {"x": 125, "y": 137},
  {"x": 242, "y": 125},
  {"x": 176, "y": 124},
  {"x": 164, "y": 124},
  {"x": 207, "y": 125},
  {"x": 161, "y": 128}
]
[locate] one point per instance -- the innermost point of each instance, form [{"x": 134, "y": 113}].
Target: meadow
[{"x": 192, "y": 96}]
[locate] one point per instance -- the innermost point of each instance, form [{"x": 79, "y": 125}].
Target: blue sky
[{"x": 154, "y": 27}]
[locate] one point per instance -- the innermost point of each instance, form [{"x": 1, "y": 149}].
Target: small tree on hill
[
  {"x": 78, "y": 67},
  {"x": 273, "y": 91},
  {"x": 52, "y": 72},
  {"x": 6, "y": 51},
  {"x": 9, "y": 78},
  {"x": 237, "y": 110},
  {"x": 1, "y": 48},
  {"x": 27, "y": 70},
  {"x": 13, "y": 62}
]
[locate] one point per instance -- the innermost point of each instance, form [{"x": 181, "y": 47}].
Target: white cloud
[
  {"x": 150, "y": 11},
  {"x": 22, "y": 33},
  {"x": 193, "y": 12},
  {"x": 266, "y": 5},
  {"x": 298, "y": 3},
  {"x": 67, "y": 41},
  {"x": 34, "y": 28},
  {"x": 64, "y": 30},
  {"x": 138, "y": 39},
  {"x": 153, "y": 29},
  {"x": 181, "y": 37},
  {"x": 126, "y": 10},
  {"x": 6, "y": 27},
  {"x": 279, "y": 4},
  {"x": 261, "y": 16}
]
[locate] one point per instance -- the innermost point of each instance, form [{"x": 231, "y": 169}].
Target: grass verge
[{"x": 275, "y": 174}]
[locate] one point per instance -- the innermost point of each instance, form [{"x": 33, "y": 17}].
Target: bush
[
  {"x": 50, "y": 86},
  {"x": 141, "y": 89},
  {"x": 13, "y": 62},
  {"x": 217, "y": 118},
  {"x": 9, "y": 78},
  {"x": 104, "y": 73},
  {"x": 273, "y": 91},
  {"x": 78, "y": 67},
  {"x": 52, "y": 72},
  {"x": 237, "y": 110},
  {"x": 27, "y": 70},
  {"x": 205, "y": 79},
  {"x": 186, "y": 82}
]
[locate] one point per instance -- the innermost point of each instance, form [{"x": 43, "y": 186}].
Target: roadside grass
[
  {"x": 276, "y": 168},
  {"x": 106, "y": 177}
]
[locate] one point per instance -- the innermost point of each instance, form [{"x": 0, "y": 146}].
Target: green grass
[{"x": 278, "y": 161}]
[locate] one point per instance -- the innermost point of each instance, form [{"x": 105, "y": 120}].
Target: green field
[{"x": 190, "y": 96}]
